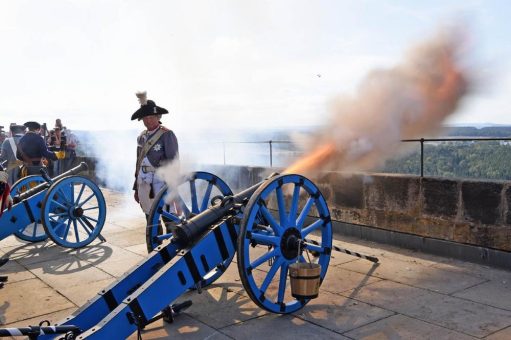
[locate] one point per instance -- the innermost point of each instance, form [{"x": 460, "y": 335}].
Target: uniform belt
[
  {"x": 147, "y": 168},
  {"x": 33, "y": 161}
]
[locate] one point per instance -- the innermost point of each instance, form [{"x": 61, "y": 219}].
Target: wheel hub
[
  {"x": 76, "y": 212},
  {"x": 290, "y": 243}
]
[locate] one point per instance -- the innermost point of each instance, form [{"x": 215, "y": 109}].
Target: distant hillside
[{"x": 488, "y": 131}]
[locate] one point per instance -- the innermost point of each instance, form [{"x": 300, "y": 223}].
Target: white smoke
[{"x": 115, "y": 155}]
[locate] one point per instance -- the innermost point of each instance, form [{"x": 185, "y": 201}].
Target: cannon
[
  {"x": 192, "y": 235},
  {"x": 69, "y": 209}
]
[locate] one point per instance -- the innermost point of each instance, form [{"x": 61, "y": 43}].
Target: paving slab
[
  {"x": 36, "y": 252},
  {"x": 76, "y": 272},
  {"x": 218, "y": 307},
  {"x": 279, "y": 327},
  {"x": 339, "y": 279},
  {"x": 127, "y": 238},
  {"x": 140, "y": 249},
  {"x": 119, "y": 260},
  {"x": 415, "y": 274},
  {"x": 453, "y": 313},
  {"x": 484, "y": 272},
  {"x": 493, "y": 293},
  {"x": 504, "y": 334},
  {"x": 184, "y": 327},
  {"x": 117, "y": 268},
  {"x": 110, "y": 228},
  {"x": 11, "y": 241},
  {"x": 28, "y": 299},
  {"x": 15, "y": 272},
  {"x": 129, "y": 222},
  {"x": 79, "y": 296},
  {"x": 93, "y": 253},
  {"x": 403, "y": 327},
  {"x": 52, "y": 318},
  {"x": 340, "y": 314}
]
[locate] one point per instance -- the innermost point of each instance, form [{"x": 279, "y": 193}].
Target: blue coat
[
  {"x": 35, "y": 148},
  {"x": 165, "y": 149}
]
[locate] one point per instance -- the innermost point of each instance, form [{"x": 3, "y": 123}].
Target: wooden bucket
[{"x": 305, "y": 278}]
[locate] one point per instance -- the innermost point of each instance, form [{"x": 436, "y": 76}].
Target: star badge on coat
[{"x": 157, "y": 147}]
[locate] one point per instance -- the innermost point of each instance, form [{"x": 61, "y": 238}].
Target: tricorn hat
[
  {"x": 16, "y": 128},
  {"x": 147, "y": 107},
  {"x": 32, "y": 125}
]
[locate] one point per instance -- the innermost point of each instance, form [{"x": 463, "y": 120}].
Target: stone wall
[{"x": 460, "y": 210}]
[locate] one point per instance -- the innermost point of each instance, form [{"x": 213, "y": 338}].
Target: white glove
[{"x": 3, "y": 176}]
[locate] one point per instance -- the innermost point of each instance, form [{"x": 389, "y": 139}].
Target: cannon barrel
[
  {"x": 43, "y": 186},
  {"x": 188, "y": 231}
]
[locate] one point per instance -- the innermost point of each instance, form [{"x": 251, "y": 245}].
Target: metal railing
[
  {"x": 425, "y": 140},
  {"x": 421, "y": 141},
  {"x": 269, "y": 142}
]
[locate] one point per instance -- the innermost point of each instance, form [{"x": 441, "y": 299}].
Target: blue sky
[{"x": 228, "y": 63}]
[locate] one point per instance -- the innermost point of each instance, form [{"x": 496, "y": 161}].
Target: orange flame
[{"x": 310, "y": 162}]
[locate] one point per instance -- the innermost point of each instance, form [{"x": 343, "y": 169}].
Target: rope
[{"x": 349, "y": 252}]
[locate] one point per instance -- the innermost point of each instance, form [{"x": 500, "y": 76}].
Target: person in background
[
  {"x": 8, "y": 152},
  {"x": 68, "y": 142},
  {"x": 32, "y": 149},
  {"x": 156, "y": 146}
]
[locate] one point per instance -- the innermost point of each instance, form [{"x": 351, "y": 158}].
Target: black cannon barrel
[
  {"x": 187, "y": 231},
  {"x": 43, "y": 186}
]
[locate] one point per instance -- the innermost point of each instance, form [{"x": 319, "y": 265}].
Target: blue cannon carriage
[
  {"x": 193, "y": 232},
  {"x": 69, "y": 209}
]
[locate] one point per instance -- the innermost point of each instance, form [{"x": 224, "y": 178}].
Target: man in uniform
[
  {"x": 8, "y": 152},
  {"x": 32, "y": 148},
  {"x": 155, "y": 146}
]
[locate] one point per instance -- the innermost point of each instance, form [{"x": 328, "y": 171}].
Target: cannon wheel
[
  {"x": 73, "y": 211},
  {"x": 33, "y": 232},
  {"x": 269, "y": 236},
  {"x": 189, "y": 202}
]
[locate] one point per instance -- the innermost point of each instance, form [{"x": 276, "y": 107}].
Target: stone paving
[{"x": 408, "y": 295}]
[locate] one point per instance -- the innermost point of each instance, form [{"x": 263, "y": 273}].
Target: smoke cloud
[
  {"x": 410, "y": 100},
  {"x": 115, "y": 153}
]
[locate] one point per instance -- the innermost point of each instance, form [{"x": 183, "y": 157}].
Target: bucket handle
[{"x": 300, "y": 241}]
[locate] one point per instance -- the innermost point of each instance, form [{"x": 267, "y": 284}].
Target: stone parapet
[{"x": 475, "y": 212}]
